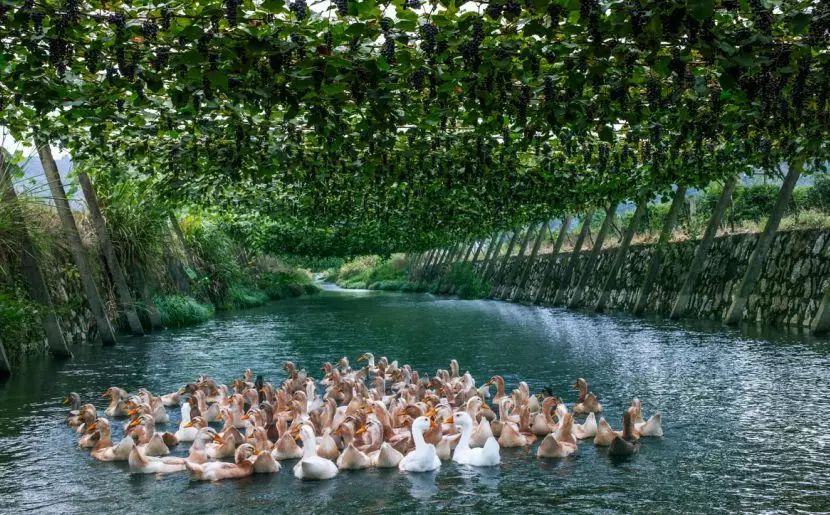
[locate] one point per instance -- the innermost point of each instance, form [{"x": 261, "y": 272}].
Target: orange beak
[
  {"x": 134, "y": 422},
  {"x": 450, "y": 420},
  {"x": 189, "y": 424},
  {"x": 245, "y": 416},
  {"x": 432, "y": 424},
  {"x": 360, "y": 431},
  {"x": 431, "y": 413},
  {"x": 218, "y": 439},
  {"x": 92, "y": 427},
  {"x": 105, "y": 394}
]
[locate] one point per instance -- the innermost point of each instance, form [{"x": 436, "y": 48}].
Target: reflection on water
[{"x": 742, "y": 411}]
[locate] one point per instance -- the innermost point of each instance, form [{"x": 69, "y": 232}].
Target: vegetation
[
  {"x": 182, "y": 310},
  {"x": 375, "y": 273}
]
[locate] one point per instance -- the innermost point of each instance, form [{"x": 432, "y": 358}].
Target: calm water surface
[{"x": 743, "y": 414}]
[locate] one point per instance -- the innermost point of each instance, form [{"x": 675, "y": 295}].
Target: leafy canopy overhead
[{"x": 362, "y": 126}]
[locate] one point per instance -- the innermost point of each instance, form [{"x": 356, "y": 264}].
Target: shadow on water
[{"x": 739, "y": 410}]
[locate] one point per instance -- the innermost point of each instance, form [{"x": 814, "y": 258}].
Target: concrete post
[
  {"x": 759, "y": 254},
  {"x": 619, "y": 257},
  {"x": 70, "y": 229},
  {"x": 582, "y": 286},
  {"x": 550, "y": 265},
  {"x": 573, "y": 260},
  {"x": 681, "y": 304},
  {"x": 660, "y": 250},
  {"x": 32, "y": 273}
]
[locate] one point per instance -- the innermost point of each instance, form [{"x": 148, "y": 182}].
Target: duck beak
[
  {"x": 218, "y": 439},
  {"x": 450, "y": 420},
  {"x": 92, "y": 427},
  {"x": 487, "y": 383},
  {"x": 134, "y": 423},
  {"x": 245, "y": 416},
  {"x": 362, "y": 358},
  {"x": 66, "y": 401},
  {"x": 360, "y": 431},
  {"x": 431, "y": 413},
  {"x": 105, "y": 394},
  {"x": 189, "y": 424},
  {"x": 432, "y": 424}
]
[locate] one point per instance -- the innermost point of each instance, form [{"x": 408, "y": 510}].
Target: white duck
[
  {"x": 187, "y": 430},
  {"x": 424, "y": 458},
  {"x": 587, "y": 429},
  {"x": 487, "y": 456},
  {"x": 141, "y": 464},
  {"x": 312, "y": 466}
]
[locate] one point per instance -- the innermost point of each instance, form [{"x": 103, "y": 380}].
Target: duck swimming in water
[
  {"x": 312, "y": 466},
  {"x": 587, "y": 402},
  {"x": 626, "y": 443},
  {"x": 424, "y": 458},
  {"x": 380, "y": 416},
  {"x": 487, "y": 456}
]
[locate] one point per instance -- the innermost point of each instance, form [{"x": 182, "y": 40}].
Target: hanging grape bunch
[
  {"x": 342, "y": 7},
  {"x": 232, "y": 11},
  {"x": 428, "y": 38},
  {"x": 512, "y": 8},
  {"x": 388, "y": 50},
  {"x": 300, "y": 9},
  {"x": 494, "y": 10},
  {"x": 149, "y": 30},
  {"x": 166, "y": 19}
]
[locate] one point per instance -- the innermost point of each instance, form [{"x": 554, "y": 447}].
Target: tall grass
[{"x": 181, "y": 310}]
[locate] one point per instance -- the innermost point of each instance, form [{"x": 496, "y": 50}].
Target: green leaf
[{"x": 702, "y": 10}]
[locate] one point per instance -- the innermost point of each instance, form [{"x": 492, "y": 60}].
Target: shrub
[
  {"x": 19, "y": 325},
  {"x": 466, "y": 284},
  {"x": 181, "y": 310},
  {"x": 240, "y": 297}
]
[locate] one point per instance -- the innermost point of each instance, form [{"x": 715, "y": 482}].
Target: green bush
[
  {"x": 818, "y": 196},
  {"x": 181, "y": 310},
  {"x": 463, "y": 280},
  {"x": 366, "y": 271},
  {"x": 19, "y": 325},
  {"x": 240, "y": 297}
]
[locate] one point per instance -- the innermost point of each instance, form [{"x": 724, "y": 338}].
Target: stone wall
[{"x": 788, "y": 292}]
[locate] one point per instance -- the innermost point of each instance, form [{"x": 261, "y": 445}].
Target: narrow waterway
[{"x": 743, "y": 414}]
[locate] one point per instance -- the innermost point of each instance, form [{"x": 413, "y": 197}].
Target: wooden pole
[
  {"x": 681, "y": 304},
  {"x": 619, "y": 256},
  {"x": 761, "y": 250},
  {"x": 32, "y": 273},
  {"x": 125, "y": 298},
  {"x": 70, "y": 230},
  {"x": 427, "y": 262},
  {"x": 550, "y": 264},
  {"x": 660, "y": 251},
  {"x": 573, "y": 260},
  {"x": 582, "y": 285}
]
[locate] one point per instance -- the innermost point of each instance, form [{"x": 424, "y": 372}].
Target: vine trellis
[{"x": 360, "y": 126}]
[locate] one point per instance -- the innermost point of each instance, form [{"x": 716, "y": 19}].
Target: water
[{"x": 742, "y": 413}]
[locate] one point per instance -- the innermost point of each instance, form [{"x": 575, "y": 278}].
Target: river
[{"x": 742, "y": 411}]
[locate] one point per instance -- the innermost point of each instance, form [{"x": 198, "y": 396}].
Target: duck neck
[
  {"x": 418, "y": 438},
  {"x": 309, "y": 446},
  {"x": 464, "y": 441}
]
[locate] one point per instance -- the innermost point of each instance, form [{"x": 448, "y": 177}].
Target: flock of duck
[{"x": 381, "y": 415}]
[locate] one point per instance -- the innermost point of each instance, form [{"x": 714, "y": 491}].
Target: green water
[{"x": 743, "y": 414}]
